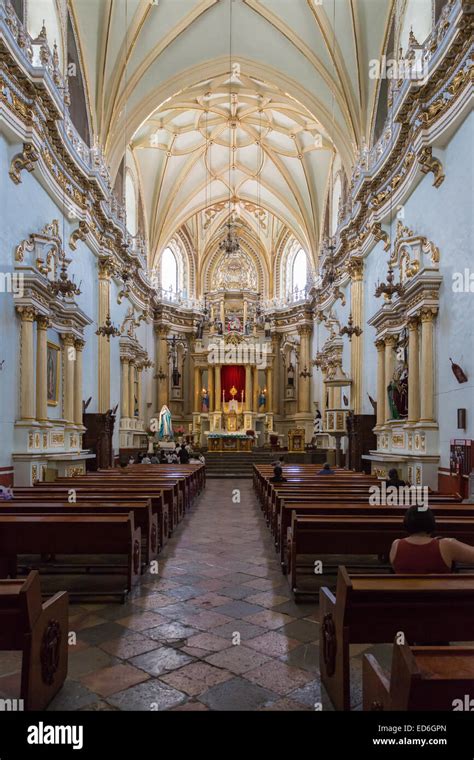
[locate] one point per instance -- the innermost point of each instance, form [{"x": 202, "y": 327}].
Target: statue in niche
[
  {"x": 267, "y": 327},
  {"x": 248, "y": 328},
  {"x": 205, "y": 402},
  {"x": 165, "y": 429},
  {"x": 291, "y": 376},
  {"x": 233, "y": 324},
  {"x": 218, "y": 326},
  {"x": 397, "y": 391},
  {"x": 262, "y": 400}
]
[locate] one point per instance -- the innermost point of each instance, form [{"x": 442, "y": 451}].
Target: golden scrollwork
[
  {"x": 428, "y": 163},
  {"x": 24, "y": 160}
]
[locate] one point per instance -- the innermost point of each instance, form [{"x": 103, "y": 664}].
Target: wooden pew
[
  {"x": 422, "y": 678},
  {"x": 40, "y": 632},
  {"x": 376, "y": 608},
  {"x": 144, "y": 518},
  {"x": 163, "y": 500},
  {"x": 74, "y": 534},
  {"x": 440, "y": 507},
  {"x": 321, "y": 535}
]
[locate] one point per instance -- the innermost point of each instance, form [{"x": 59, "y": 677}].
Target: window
[
  {"x": 130, "y": 204},
  {"x": 169, "y": 271},
  {"x": 299, "y": 272}
]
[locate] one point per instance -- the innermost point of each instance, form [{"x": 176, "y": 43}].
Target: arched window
[
  {"x": 46, "y": 10},
  {"x": 299, "y": 272},
  {"x": 131, "y": 204},
  {"x": 169, "y": 271}
]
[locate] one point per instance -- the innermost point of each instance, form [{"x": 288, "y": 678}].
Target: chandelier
[
  {"x": 350, "y": 329},
  {"x": 108, "y": 330},
  {"x": 63, "y": 286},
  {"x": 388, "y": 289},
  {"x": 230, "y": 244}
]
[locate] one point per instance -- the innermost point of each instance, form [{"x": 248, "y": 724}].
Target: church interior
[{"x": 235, "y": 258}]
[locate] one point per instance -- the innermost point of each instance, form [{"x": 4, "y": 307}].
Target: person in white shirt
[{"x": 146, "y": 459}]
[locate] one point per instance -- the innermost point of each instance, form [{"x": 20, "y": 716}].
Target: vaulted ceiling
[{"x": 242, "y": 99}]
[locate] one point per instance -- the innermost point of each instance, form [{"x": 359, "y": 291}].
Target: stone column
[
  {"x": 390, "y": 343},
  {"x": 255, "y": 389},
  {"x": 105, "y": 271},
  {"x": 69, "y": 353},
  {"x": 381, "y": 389},
  {"x": 131, "y": 388},
  {"x": 427, "y": 369},
  {"x": 79, "y": 346},
  {"x": 125, "y": 394},
  {"x": 248, "y": 388},
  {"x": 276, "y": 373},
  {"x": 356, "y": 269},
  {"x": 210, "y": 387},
  {"x": 42, "y": 324},
  {"x": 222, "y": 314},
  {"x": 27, "y": 385},
  {"x": 161, "y": 364},
  {"x": 269, "y": 407},
  {"x": 304, "y": 387},
  {"x": 245, "y": 312},
  {"x": 413, "y": 370},
  {"x": 140, "y": 391},
  {"x": 217, "y": 388},
  {"x": 197, "y": 389}
]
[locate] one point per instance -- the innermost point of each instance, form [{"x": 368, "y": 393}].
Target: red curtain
[{"x": 233, "y": 375}]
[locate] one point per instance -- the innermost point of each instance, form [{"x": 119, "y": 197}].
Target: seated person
[
  {"x": 154, "y": 459},
  {"x": 130, "y": 460},
  {"x": 278, "y": 462},
  {"x": 326, "y": 470},
  {"x": 163, "y": 459},
  {"x": 393, "y": 479},
  {"x": 277, "y": 475},
  {"x": 420, "y": 553},
  {"x": 146, "y": 459},
  {"x": 183, "y": 455}
]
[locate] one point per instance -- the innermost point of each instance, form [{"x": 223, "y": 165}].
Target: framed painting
[{"x": 53, "y": 362}]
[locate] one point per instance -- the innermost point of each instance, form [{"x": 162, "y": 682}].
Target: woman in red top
[{"x": 422, "y": 554}]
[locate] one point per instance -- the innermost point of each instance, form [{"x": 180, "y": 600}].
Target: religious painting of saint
[{"x": 52, "y": 373}]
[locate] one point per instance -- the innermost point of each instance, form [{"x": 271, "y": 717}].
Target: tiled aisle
[{"x": 174, "y": 645}]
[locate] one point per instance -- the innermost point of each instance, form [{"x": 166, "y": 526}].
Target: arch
[
  {"x": 417, "y": 19},
  {"x": 173, "y": 270},
  {"x": 48, "y": 11},
  {"x": 78, "y": 109},
  {"x": 131, "y": 203}
]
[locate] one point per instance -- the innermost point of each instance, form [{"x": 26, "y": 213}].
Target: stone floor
[{"x": 215, "y": 629}]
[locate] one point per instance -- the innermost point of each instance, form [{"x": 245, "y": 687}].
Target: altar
[{"x": 223, "y": 442}]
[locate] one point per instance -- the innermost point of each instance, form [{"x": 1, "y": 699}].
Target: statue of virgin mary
[{"x": 165, "y": 429}]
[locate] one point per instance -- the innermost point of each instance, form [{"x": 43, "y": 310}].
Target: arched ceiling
[{"x": 300, "y": 92}]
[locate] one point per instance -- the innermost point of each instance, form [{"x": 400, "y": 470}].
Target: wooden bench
[
  {"x": 144, "y": 518},
  {"x": 163, "y": 500},
  {"x": 376, "y": 608},
  {"x": 73, "y": 534},
  {"x": 320, "y": 535},
  {"x": 422, "y": 678},
  {"x": 40, "y": 632}
]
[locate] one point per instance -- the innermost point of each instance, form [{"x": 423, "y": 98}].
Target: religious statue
[
  {"x": 291, "y": 376},
  {"x": 233, "y": 324},
  {"x": 318, "y": 423},
  {"x": 219, "y": 327},
  {"x": 248, "y": 328},
  {"x": 267, "y": 328},
  {"x": 398, "y": 393},
  {"x": 165, "y": 429},
  {"x": 262, "y": 399},
  {"x": 205, "y": 401},
  {"x": 200, "y": 329}
]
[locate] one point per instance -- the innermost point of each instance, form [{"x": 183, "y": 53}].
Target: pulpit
[{"x": 98, "y": 438}]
